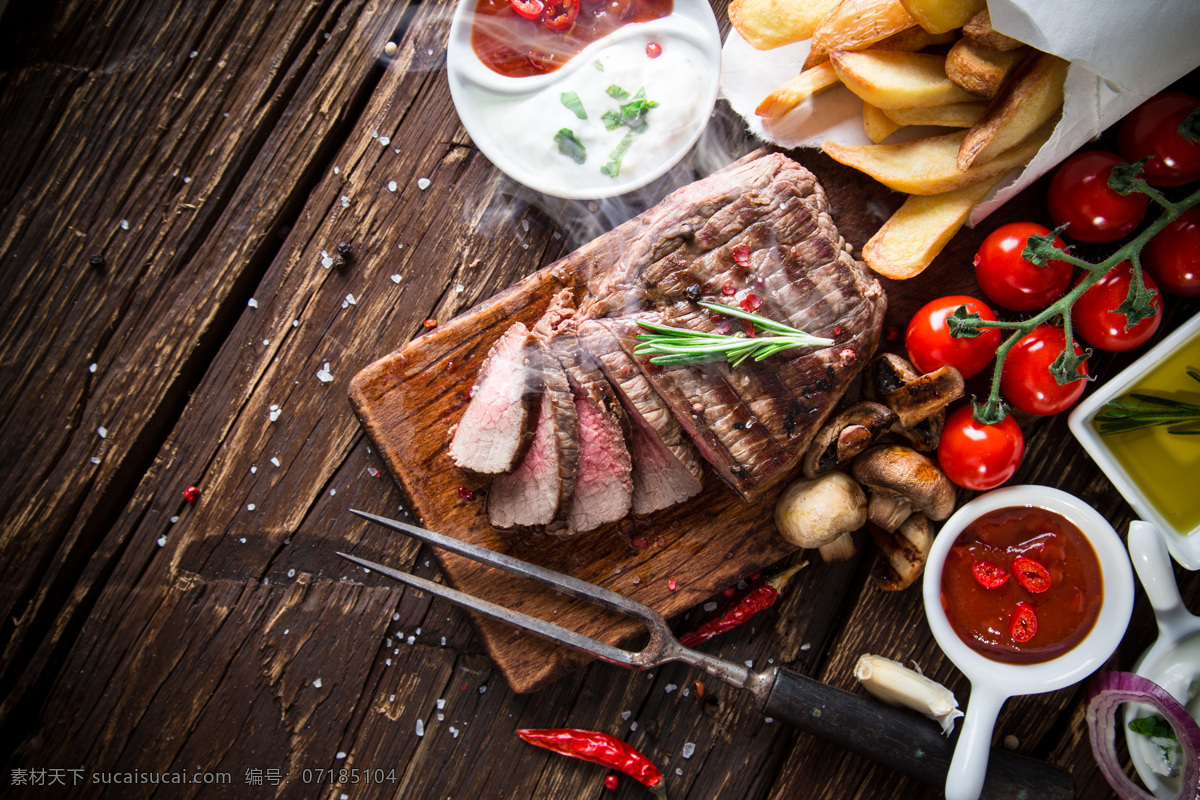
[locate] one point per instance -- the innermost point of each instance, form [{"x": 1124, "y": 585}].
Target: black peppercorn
[
  {"x": 345, "y": 251},
  {"x": 693, "y": 292},
  {"x": 97, "y": 261}
]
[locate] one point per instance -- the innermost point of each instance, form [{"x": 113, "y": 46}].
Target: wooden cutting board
[{"x": 408, "y": 402}]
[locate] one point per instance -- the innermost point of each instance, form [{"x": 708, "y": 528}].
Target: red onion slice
[{"x": 1106, "y": 692}]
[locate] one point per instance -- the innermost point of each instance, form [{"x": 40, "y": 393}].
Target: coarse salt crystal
[
  {"x": 324, "y": 375},
  {"x": 633, "y": 725},
  {"x": 410, "y": 640},
  {"x": 332, "y": 492},
  {"x": 327, "y": 262},
  {"x": 453, "y": 733},
  {"x": 482, "y": 689},
  {"x": 350, "y": 299},
  {"x": 162, "y": 541},
  {"x": 374, "y": 473},
  {"x": 441, "y": 703},
  {"x": 291, "y": 573},
  {"x": 525, "y": 225},
  {"x": 710, "y": 606},
  {"x": 102, "y": 432},
  {"x": 423, "y": 183},
  {"x": 397, "y": 278},
  {"x": 750, "y": 664},
  {"x": 688, "y": 749},
  {"x": 385, "y": 141},
  {"x": 295, "y": 323},
  {"x": 94, "y": 460},
  {"x": 187, "y": 180},
  {"x": 93, "y": 367},
  {"x": 345, "y": 201},
  {"x": 420, "y": 727},
  {"x": 671, "y": 687},
  {"x": 317, "y": 683},
  {"x": 336, "y": 170},
  {"x": 250, "y": 507},
  {"x": 124, "y": 224},
  {"x": 242, "y": 540},
  {"x": 253, "y": 468},
  {"x": 458, "y": 287},
  {"x": 274, "y": 415},
  {"x": 174, "y": 520},
  {"x": 193, "y": 54},
  {"x": 252, "y": 303},
  {"x": 391, "y": 186},
  {"x": 625, "y": 715},
  {"x": 806, "y": 646},
  {"x": 441, "y": 717},
  {"x": 391, "y": 698},
  {"x": 340, "y": 755},
  {"x": 266, "y": 342},
  {"x": 275, "y": 461}
]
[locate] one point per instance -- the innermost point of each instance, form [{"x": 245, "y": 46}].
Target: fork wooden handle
[{"x": 902, "y": 740}]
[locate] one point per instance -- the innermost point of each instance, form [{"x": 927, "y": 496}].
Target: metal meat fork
[{"x": 890, "y": 736}]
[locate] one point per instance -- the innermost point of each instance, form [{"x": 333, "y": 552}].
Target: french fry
[
  {"x": 954, "y": 115},
  {"x": 930, "y": 165},
  {"x": 980, "y": 31},
  {"x": 767, "y": 24},
  {"x": 878, "y": 125},
  {"x": 797, "y": 90},
  {"x": 888, "y": 79},
  {"x": 939, "y": 16},
  {"x": 913, "y": 39},
  {"x": 980, "y": 71},
  {"x": 1031, "y": 97},
  {"x": 856, "y": 25},
  {"x": 909, "y": 241}
]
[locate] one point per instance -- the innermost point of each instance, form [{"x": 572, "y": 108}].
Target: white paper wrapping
[{"x": 1121, "y": 53}]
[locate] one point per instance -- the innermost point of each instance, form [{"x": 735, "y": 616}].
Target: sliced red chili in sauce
[
  {"x": 989, "y": 574},
  {"x": 1031, "y": 575},
  {"x": 1024, "y": 624},
  {"x": 529, "y": 9},
  {"x": 559, "y": 15}
]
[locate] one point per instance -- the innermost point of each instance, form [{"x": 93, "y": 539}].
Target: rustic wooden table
[{"x": 214, "y": 154}]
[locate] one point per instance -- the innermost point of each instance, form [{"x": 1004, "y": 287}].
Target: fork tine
[
  {"x": 545, "y": 629},
  {"x": 547, "y": 577}
]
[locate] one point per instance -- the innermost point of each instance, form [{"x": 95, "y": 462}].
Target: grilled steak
[
  {"x": 604, "y": 484},
  {"x": 666, "y": 467},
  {"x": 497, "y": 426},
  {"x": 758, "y": 237}
]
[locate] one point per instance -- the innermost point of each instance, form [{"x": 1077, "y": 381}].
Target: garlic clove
[{"x": 897, "y": 685}]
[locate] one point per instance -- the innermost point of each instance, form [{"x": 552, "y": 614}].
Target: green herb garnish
[
  {"x": 672, "y": 346},
  {"x": 1154, "y": 727},
  {"x": 613, "y": 167},
  {"x": 632, "y": 114},
  {"x": 570, "y": 146},
  {"x": 1135, "y": 411},
  {"x": 574, "y": 104},
  {"x": 616, "y": 92}
]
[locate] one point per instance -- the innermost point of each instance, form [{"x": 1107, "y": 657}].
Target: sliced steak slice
[
  {"x": 666, "y": 467},
  {"x": 603, "y": 484},
  {"x": 498, "y": 424},
  {"x": 759, "y": 237},
  {"x": 541, "y": 487}
]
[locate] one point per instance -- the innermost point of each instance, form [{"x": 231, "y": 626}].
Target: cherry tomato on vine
[
  {"x": 1079, "y": 197},
  {"x": 1012, "y": 282},
  {"x": 1173, "y": 255},
  {"x": 1151, "y": 131},
  {"x": 1098, "y": 323},
  {"x": 977, "y": 456},
  {"x": 1025, "y": 380},
  {"x": 930, "y": 345}
]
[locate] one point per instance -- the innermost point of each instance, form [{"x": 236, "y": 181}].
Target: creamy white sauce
[
  {"x": 524, "y": 126},
  {"x": 1177, "y": 671}
]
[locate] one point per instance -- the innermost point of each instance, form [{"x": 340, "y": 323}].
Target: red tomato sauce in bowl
[
  {"x": 518, "y": 47},
  {"x": 1021, "y": 585}
]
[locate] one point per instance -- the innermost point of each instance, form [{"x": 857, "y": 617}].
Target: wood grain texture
[{"x": 150, "y": 634}]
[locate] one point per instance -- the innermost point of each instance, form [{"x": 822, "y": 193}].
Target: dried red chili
[
  {"x": 760, "y": 595},
  {"x": 599, "y": 748},
  {"x": 1031, "y": 574},
  {"x": 1023, "y": 625},
  {"x": 988, "y": 574}
]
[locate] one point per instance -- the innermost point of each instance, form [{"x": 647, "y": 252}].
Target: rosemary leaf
[{"x": 671, "y": 346}]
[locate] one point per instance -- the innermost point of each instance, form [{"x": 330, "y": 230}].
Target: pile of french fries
[{"x": 916, "y": 62}]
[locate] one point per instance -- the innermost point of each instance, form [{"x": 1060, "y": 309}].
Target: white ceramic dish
[
  {"x": 1172, "y": 661},
  {"x": 1184, "y": 546},
  {"x": 993, "y": 682},
  {"x": 513, "y": 121}
]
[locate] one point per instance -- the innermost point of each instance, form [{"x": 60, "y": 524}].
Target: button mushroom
[
  {"x": 822, "y": 513},
  {"x": 902, "y": 553},
  {"x": 918, "y": 401},
  {"x": 845, "y": 436},
  {"x": 902, "y": 481}
]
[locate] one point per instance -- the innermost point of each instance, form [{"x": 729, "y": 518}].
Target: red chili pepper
[
  {"x": 741, "y": 255},
  {"x": 559, "y": 15},
  {"x": 529, "y": 9},
  {"x": 1023, "y": 625},
  {"x": 1030, "y": 574},
  {"x": 989, "y": 574},
  {"x": 599, "y": 748},
  {"x": 760, "y": 595}
]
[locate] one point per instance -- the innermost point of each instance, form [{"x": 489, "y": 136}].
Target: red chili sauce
[
  {"x": 1021, "y": 585},
  {"x": 518, "y": 47}
]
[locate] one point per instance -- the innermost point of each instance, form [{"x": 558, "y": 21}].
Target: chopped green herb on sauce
[{"x": 570, "y": 146}]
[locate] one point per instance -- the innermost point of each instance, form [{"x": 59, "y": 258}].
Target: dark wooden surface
[{"x": 212, "y": 152}]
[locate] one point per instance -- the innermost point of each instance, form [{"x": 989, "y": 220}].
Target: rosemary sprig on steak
[{"x": 672, "y": 346}]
